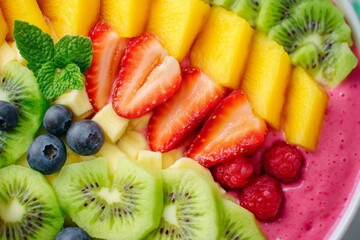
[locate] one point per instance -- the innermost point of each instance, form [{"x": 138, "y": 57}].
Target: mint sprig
[{"x": 58, "y": 67}]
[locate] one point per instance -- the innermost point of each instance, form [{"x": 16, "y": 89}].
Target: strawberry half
[
  {"x": 231, "y": 130},
  {"x": 147, "y": 78},
  {"x": 108, "y": 49},
  {"x": 176, "y": 118}
]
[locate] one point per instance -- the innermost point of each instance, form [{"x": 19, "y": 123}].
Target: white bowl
[{"x": 354, "y": 205}]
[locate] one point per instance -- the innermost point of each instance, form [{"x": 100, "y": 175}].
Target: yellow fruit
[
  {"x": 3, "y": 27},
  {"x": 72, "y": 17},
  {"x": 131, "y": 143},
  {"x": 266, "y": 77},
  {"x": 127, "y": 17},
  {"x": 7, "y": 54},
  {"x": 150, "y": 159},
  {"x": 113, "y": 125},
  {"x": 177, "y": 23},
  {"x": 170, "y": 157},
  {"x": 24, "y": 10},
  {"x": 304, "y": 110},
  {"x": 222, "y": 47}
]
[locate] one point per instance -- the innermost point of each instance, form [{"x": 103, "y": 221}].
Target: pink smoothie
[{"x": 315, "y": 203}]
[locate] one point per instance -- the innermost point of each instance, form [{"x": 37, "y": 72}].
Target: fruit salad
[{"x": 169, "y": 119}]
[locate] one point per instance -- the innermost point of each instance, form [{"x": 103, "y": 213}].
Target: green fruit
[
  {"x": 191, "y": 207},
  {"x": 111, "y": 202},
  {"x": 247, "y": 9},
  {"x": 313, "y": 36},
  {"x": 239, "y": 223},
  {"x": 223, "y": 3},
  {"x": 19, "y": 86},
  {"x": 29, "y": 208}
]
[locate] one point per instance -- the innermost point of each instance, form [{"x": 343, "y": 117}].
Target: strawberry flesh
[
  {"x": 147, "y": 78},
  {"x": 178, "y": 117},
  {"x": 231, "y": 130},
  {"x": 108, "y": 49}
]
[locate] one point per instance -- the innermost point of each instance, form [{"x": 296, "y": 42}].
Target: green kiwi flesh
[
  {"x": 239, "y": 223},
  {"x": 19, "y": 86},
  {"x": 309, "y": 36},
  {"x": 29, "y": 208},
  {"x": 124, "y": 201},
  {"x": 247, "y": 9},
  {"x": 191, "y": 207}
]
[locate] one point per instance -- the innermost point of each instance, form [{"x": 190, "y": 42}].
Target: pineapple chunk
[
  {"x": 266, "y": 77},
  {"x": 150, "y": 159},
  {"x": 131, "y": 143},
  {"x": 78, "y": 102},
  {"x": 19, "y": 58},
  {"x": 222, "y": 47},
  {"x": 111, "y": 152},
  {"x": 177, "y": 23},
  {"x": 71, "y": 17},
  {"x": 140, "y": 124},
  {"x": 24, "y": 10},
  {"x": 127, "y": 17},
  {"x": 113, "y": 125},
  {"x": 189, "y": 163},
  {"x": 304, "y": 110},
  {"x": 169, "y": 158},
  {"x": 7, "y": 54},
  {"x": 3, "y": 28}
]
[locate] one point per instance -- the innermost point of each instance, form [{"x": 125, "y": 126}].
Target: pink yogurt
[{"x": 315, "y": 203}]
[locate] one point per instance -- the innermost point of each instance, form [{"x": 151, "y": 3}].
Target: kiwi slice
[
  {"x": 247, "y": 9},
  {"x": 191, "y": 208},
  {"x": 239, "y": 223},
  {"x": 120, "y": 200},
  {"x": 29, "y": 208},
  {"x": 19, "y": 86},
  {"x": 310, "y": 36}
]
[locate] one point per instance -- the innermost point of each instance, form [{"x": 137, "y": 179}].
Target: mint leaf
[
  {"x": 34, "y": 45},
  {"x": 73, "y": 49},
  {"x": 54, "y": 81}
]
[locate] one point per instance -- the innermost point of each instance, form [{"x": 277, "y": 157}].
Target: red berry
[
  {"x": 262, "y": 197},
  {"x": 233, "y": 173},
  {"x": 283, "y": 161}
]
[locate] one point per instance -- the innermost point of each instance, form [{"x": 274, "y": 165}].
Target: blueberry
[
  {"x": 72, "y": 233},
  {"x": 47, "y": 154},
  {"x": 57, "y": 119},
  {"x": 8, "y": 115},
  {"x": 85, "y": 137}
]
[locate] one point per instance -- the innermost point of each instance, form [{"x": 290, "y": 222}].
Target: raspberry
[
  {"x": 262, "y": 197},
  {"x": 233, "y": 173},
  {"x": 283, "y": 162}
]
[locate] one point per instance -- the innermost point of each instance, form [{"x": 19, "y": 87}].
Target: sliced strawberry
[
  {"x": 108, "y": 49},
  {"x": 231, "y": 130},
  {"x": 147, "y": 78},
  {"x": 176, "y": 118}
]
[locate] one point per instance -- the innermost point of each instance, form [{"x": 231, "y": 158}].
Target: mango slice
[
  {"x": 177, "y": 23},
  {"x": 222, "y": 47},
  {"x": 265, "y": 79},
  {"x": 304, "y": 110},
  {"x": 3, "y": 27}
]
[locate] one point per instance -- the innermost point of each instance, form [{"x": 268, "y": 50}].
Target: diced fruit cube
[
  {"x": 71, "y": 17},
  {"x": 170, "y": 157},
  {"x": 127, "y": 17},
  {"x": 140, "y": 124},
  {"x": 266, "y": 77},
  {"x": 231, "y": 130},
  {"x": 3, "y": 27},
  {"x": 131, "y": 143},
  {"x": 78, "y": 102},
  {"x": 150, "y": 159},
  {"x": 304, "y": 110},
  {"x": 112, "y": 153},
  {"x": 19, "y": 58},
  {"x": 177, "y": 23},
  {"x": 222, "y": 47},
  {"x": 7, "y": 54},
  {"x": 112, "y": 124},
  {"x": 24, "y": 10},
  {"x": 189, "y": 163}
]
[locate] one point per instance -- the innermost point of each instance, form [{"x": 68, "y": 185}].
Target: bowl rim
[{"x": 353, "y": 206}]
